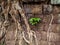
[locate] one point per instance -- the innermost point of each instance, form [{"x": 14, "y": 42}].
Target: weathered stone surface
[
  {"x": 27, "y": 8},
  {"x": 52, "y": 43},
  {"x": 54, "y": 37},
  {"x": 42, "y": 11},
  {"x": 57, "y": 43},
  {"x": 43, "y": 42},
  {"x": 44, "y": 35},
  {"x": 38, "y": 35},
  {"x": 56, "y": 10},
  {"x": 46, "y": 19},
  {"x": 56, "y": 19},
  {"x": 41, "y": 27},
  {"x": 47, "y": 9},
  {"x": 55, "y": 28},
  {"x": 34, "y": 9},
  {"x": 10, "y": 42},
  {"x": 37, "y": 9},
  {"x": 29, "y": 16},
  {"x": 46, "y": 26}
]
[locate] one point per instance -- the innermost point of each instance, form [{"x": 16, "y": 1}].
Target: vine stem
[
  {"x": 25, "y": 38},
  {"x": 13, "y": 13},
  {"x": 49, "y": 28}
]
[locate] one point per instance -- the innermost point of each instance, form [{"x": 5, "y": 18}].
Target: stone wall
[{"x": 44, "y": 12}]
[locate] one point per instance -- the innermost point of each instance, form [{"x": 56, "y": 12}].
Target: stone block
[
  {"x": 55, "y": 28},
  {"x": 46, "y": 19},
  {"x": 56, "y": 10},
  {"x": 43, "y": 42},
  {"x": 47, "y": 9},
  {"x": 34, "y": 9},
  {"x": 54, "y": 37},
  {"x": 37, "y": 9},
  {"x": 46, "y": 26},
  {"x": 56, "y": 19},
  {"x": 57, "y": 43},
  {"x": 44, "y": 35},
  {"x": 38, "y": 34},
  {"x": 10, "y": 42},
  {"x": 51, "y": 43}
]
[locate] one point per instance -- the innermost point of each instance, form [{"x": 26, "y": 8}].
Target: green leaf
[{"x": 34, "y": 21}]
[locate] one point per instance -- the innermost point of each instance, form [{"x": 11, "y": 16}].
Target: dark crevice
[{"x": 32, "y": 2}]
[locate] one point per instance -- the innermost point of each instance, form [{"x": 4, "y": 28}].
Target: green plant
[{"x": 34, "y": 21}]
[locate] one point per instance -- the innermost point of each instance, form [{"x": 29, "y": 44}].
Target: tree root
[
  {"x": 14, "y": 9},
  {"x": 49, "y": 28}
]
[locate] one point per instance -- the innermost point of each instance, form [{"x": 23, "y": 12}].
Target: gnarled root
[{"x": 30, "y": 37}]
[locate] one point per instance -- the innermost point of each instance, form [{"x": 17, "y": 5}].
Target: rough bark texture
[{"x": 15, "y": 28}]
